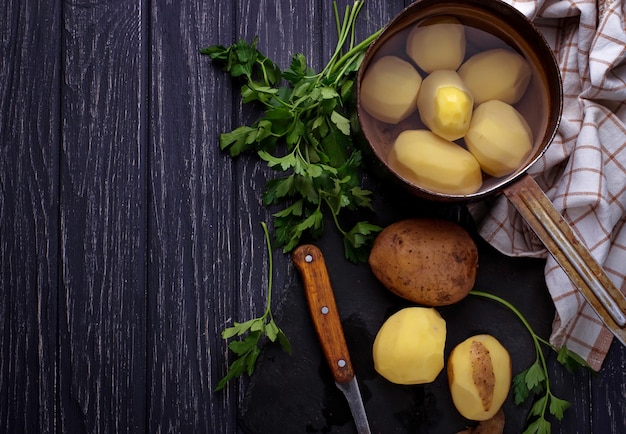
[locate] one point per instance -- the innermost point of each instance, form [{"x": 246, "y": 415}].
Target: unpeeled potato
[
  {"x": 431, "y": 262},
  {"x": 479, "y": 376},
  {"x": 495, "y": 425}
]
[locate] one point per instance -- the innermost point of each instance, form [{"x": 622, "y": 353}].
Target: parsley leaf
[
  {"x": 570, "y": 360},
  {"x": 305, "y": 134}
]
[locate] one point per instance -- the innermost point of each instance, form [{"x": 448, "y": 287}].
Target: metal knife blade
[
  {"x": 323, "y": 309},
  {"x": 353, "y": 395}
]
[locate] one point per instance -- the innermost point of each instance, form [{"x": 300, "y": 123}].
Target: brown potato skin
[
  {"x": 431, "y": 262},
  {"x": 482, "y": 368},
  {"x": 495, "y": 425}
]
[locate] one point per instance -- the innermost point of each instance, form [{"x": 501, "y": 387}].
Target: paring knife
[{"x": 319, "y": 292}]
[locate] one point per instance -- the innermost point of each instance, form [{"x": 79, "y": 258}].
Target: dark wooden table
[{"x": 128, "y": 240}]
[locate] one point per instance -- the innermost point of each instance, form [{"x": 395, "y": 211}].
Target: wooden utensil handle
[
  {"x": 571, "y": 254},
  {"x": 319, "y": 292}
]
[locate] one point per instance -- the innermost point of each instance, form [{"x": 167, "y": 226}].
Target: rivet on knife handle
[{"x": 310, "y": 261}]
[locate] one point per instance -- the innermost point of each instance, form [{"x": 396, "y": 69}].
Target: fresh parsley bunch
[
  {"x": 304, "y": 134},
  {"x": 534, "y": 381}
]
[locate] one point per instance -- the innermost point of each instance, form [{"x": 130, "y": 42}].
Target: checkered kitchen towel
[{"x": 584, "y": 170}]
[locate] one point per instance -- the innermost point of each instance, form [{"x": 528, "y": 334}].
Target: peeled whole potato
[
  {"x": 430, "y": 262},
  {"x": 409, "y": 346},
  {"x": 435, "y": 164},
  {"x": 496, "y": 74},
  {"x": 389, "y": 89},
  {"x": 437, "y": 44},
  {"x": 499, "y": 137},
  {"x": 479, "y": 376},
  {"x": 445, "y": 104}
]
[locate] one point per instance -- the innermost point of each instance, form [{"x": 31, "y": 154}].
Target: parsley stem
[
  {"x": 536, "y": 339},
  {"x": 356, "y": 50},
  {"x": 334, "y": 212},
  {"x": 270, "y": 267},
  {"x": 340, "y": 40},
  {"x": 345, "y": 30},
  {"x": 508, "y": 305}
]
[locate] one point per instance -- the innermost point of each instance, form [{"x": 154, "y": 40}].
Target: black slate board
[{"x": 296, "y": 394}]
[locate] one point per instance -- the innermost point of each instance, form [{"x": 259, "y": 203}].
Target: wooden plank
[
  {"x": 283, "y": 28},
  {"x": 103, "y": 218},
  {"x": 608, "y": 390},
  {"x": 29, "y": 214},
  {"x": 191, "y": 266},
  {"x": 575, "y": 388},
  {"x": 597, "y": 400}
]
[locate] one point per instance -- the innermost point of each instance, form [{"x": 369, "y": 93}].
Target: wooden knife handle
[{"x": 319, "y": 292}]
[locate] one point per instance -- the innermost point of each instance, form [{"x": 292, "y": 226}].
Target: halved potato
[{"x": 495, "y": 425}]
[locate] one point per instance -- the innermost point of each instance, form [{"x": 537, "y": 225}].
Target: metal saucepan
[{"x": 541, "y": 106}]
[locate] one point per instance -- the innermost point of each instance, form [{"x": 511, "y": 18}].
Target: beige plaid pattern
[{"x": 584, "y": 170}]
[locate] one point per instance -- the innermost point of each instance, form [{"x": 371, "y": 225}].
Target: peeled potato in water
[
  {"x": 496, "y": 74},
  {"x": 499, "y": 138},
  {"x": 445, "y": 104},
  {"x": 437, "y": 43},
  {"x": 389, "y": 89},
  {"x": 434, "y": 163},
  {"x": 479, "y": 376}
]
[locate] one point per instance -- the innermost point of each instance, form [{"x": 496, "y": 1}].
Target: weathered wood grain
[
  {"x": 193, "y": 233},
  {"x": 29, "y": 214},
  {"x": 608, "y": 393},
  {"x": 103, "y": 200},
  {"x": 128, "y": 240}
]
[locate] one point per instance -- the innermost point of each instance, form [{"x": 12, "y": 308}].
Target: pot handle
[{"x": 571, "y": 254}]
